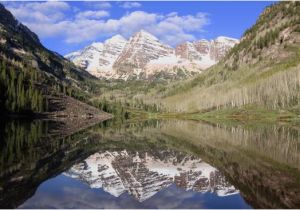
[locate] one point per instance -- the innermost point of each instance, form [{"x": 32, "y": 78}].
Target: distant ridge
[{"x": 143, "y": 56}]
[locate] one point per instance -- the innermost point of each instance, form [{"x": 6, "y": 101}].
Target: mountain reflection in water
[
  {"x": 151, "y": 164},
  {"x": 143, "y": 174}
]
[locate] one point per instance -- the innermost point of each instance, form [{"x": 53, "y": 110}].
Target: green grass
[
  {"x": 249, "y": 114},
  {"x": 249, "y": 117},
  {"x": 142, "y": 114}
]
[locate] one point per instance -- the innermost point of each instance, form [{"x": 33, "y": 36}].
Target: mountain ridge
[{"x": 144, "y": 56}]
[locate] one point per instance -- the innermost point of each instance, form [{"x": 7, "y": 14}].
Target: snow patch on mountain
[
  {"x": 98, "y": 58},
  {"x": 144, "y": 56},
  {"x": 142, "y": 174},
  {"x": 141, "y": 48}
]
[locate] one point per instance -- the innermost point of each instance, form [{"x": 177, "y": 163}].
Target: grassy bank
[
  {"x": 249, "y": 113},
  {"x": 246, "y": 114}
]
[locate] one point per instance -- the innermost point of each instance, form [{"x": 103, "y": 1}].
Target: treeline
[
  {"x": 26, "y": 90},
  {"x": 281, "y": 90},
  {"x": 69, "y": 91},
  {"x": 19, "y": 92},
  {"x": 140, "y": 104},
  {"x": 121, "y": 109},
  {"x": 114, "y": 107}
]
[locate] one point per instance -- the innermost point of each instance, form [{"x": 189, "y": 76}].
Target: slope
[
  {"x": 34, "y": 79},
  {"x": 262, "y": 70}
]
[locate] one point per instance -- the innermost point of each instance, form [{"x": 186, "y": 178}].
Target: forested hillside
[
  {"x": 30, "y": 74},
  {"x": 262, "y": 70},
  {"x": 18, "y": 91}
]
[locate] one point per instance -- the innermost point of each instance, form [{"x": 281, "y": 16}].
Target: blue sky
[{"x": 68, "y": 26}]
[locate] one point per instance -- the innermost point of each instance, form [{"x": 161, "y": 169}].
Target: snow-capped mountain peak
[
  {"x": 144, "y": 34},
  {"x": 141, "y": 48},
  {"x": 226, "y": 39},
  {"x": 97, "y": 45},
  {"x": 98, "y": 58},
  {"x": 73, "y": 55},
  {"x": 115, "y": 39},
  {"x": 144, "y": 56}
]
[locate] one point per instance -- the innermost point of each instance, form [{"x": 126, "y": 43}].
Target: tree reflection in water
[{"x": 262, "y": 162}]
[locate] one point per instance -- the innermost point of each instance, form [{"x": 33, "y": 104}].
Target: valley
[
  {"x": 143, "y": 75},
  {"x": 259, "y": 73},
  {"x": 248, "y": 76},
  {"x": 134, "y": 121}
]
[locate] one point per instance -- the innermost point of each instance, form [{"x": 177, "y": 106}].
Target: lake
[{"x": 149, "y": 164}]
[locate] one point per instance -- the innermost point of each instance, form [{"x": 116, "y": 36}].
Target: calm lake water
[{"x": 151, "y": 164}]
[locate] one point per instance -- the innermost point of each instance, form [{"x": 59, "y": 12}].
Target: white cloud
[
  {"x": 49, "y": 6},
  {"x": 172, "y": 14},
  {"x": 98, "y": 5},
  {"x": 92, "y": 14},
  {"x": 130, "y": 4},
  {"x": 48, "y": 20},
  {"x": 176, "y": 29},
  {"x": 136, "y": 21},
  {"x": 49, "y": 12},
  {"x": 102, "y": 5}
]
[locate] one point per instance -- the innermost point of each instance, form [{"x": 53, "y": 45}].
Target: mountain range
[
  {"x": 143, "y": 174},
  {"x": 144, "y": 56}
]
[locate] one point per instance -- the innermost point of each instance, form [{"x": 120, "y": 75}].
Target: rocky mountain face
[
  {"x": 143, "y": 56},
  {"x": 140, "y": 50},
  {"x": 143, "y": 174},
  {"x": 273, "y": 38},
  {"x": 99, "y": 56},
  {"x": 205, "y": 52}
]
